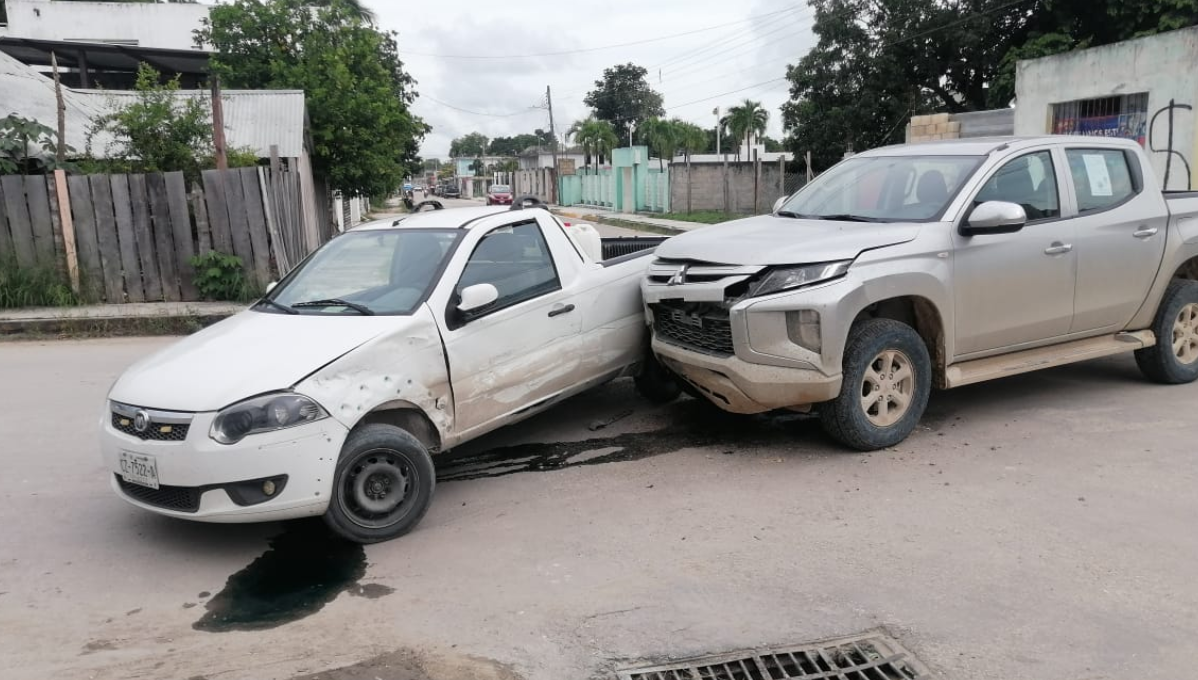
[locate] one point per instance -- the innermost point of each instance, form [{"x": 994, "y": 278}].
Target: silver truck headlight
[
  {"x": 262, "y": 414},
  {"x": 786, "y": 278}
]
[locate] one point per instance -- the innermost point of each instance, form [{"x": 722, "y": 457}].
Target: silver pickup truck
[{"x": 931, "y": 265}]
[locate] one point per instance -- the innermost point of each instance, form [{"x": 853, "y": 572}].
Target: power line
[
  {"x": 481, "y": 113},
  {"x": 683, "y": 56},
  {"x": 592, "y": 49}
]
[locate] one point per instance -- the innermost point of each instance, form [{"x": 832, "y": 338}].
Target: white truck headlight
[
  {"x": 262, "y": 414},
  {"x": 786, "y": 278}
]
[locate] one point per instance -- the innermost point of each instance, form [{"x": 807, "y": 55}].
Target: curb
[{"x": 105, "y": 327}]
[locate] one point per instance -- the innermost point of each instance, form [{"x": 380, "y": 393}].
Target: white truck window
[
  {"x": 1029, "y": 181},
  {"x": 1101, "y": 178},
  {"x": 516, "y": 260}
]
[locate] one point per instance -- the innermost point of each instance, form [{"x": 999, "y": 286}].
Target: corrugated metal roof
[{"x": 256, "y": 119}]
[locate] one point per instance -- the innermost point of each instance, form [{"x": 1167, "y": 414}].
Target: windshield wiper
[
  {"x": 337, "y": 302},
  {"x": 845, "y": 217},
  {"x": 787, "y": 213},
  {"x": 276, "y": 305}
]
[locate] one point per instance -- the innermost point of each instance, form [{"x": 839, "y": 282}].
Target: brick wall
[
  {"x": 935, "y": 126},
  {"x": 707, "y": 192}
]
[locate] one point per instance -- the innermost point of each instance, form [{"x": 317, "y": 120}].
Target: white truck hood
[
  {"x": 769, "y": 240},
  {"x": 243, "y": 356}
]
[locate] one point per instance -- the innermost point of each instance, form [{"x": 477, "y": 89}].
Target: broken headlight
[
  {"x": 786, "y": 278},
  {"x": 263, "y": 414}
]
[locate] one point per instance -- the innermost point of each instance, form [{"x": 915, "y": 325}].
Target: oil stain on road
[
  {"x": 304, "y": 569},
  {"x": 695, "y": 425}
]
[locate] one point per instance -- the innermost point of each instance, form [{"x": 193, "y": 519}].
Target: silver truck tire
[
  {"x": 887, "y": 380},
  {"x": 1173, "y": 360},
  {"x": 382, "y": 486}
]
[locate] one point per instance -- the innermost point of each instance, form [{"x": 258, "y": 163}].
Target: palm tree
[
  {"x": 746, "y": 120},
  {"x": 356, "y": 7},
  {"x": 597, "y": 138},
  {"x": 663, "y": 136}
]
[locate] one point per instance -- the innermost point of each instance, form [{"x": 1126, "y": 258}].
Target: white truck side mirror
[
  {"x": 778, "y": 203},
  {"x": 477, "y": 296}
]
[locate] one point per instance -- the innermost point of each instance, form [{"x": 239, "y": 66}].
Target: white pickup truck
[
  {"x": 932, "y": 265},
  {"x": 393, "y": 341}
]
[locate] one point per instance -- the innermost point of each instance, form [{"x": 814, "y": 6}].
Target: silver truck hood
[{"x": 769, "y": 240}]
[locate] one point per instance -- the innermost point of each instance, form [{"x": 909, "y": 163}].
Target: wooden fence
[{"x": 130, "y": 238}]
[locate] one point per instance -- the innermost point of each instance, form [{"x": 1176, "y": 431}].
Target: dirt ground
[{"x": 1038, "y": 527}]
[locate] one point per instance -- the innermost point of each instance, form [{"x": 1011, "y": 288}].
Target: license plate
[{"x": 139, "y": 469}]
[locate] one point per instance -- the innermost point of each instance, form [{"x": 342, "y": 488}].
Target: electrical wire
[{"x": 480, "y": 113}]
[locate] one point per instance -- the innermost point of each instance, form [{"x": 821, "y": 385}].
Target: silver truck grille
[{"x": 699, "y": 327}]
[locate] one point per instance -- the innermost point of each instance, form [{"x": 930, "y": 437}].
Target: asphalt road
[{"x": 1042, "y": 527}]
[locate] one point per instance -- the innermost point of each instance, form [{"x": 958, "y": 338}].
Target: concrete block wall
[{"x": 707, "y": 187}]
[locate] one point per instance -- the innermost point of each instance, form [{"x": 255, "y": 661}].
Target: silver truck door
[
  {"x": 1120, "y": 240},
  {"x": 1011, "y": 289},
  {"x": 523, "y": 348}
]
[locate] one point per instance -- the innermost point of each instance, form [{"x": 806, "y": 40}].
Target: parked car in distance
[
  {"x": 930, "y": 265},
  {"x": 394, "y": 341},
  {"x": 499, "y": 194},
  {"x": 450, "y": 191}
]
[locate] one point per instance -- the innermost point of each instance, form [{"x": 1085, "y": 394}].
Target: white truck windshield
[
  {"x": 385, "y": 271},
  {"x": 883, "y": 189}
]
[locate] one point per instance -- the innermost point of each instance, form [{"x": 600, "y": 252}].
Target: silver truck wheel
[
  {"x": 887, "y": 377},
  {"x": 1173, "y": 360},
  {"x": 887, "y": 388}
]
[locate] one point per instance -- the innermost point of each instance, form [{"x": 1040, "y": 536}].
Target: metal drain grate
[{"x": 862, "y": 657}]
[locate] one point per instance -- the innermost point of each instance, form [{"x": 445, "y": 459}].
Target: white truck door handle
[
  {"x": 1058, "y": 248},
  {"x": 1145, "y": 232}
]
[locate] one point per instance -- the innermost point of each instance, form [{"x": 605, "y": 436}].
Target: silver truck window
[
  {"x": 387, "y": 271},
  {"x": 883, "y": 189},
  {"x": 1029, "y": 181},
  {"x": 1101, "y": 178},
  {"x": 516, "y": 260}
]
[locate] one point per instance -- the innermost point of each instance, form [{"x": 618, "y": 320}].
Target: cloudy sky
[{"x": 466, "y": 57}]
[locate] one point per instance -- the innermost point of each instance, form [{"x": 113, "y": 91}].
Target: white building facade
[
  {"x": 1144, "y": 89},
  {"x": 143, "y": 24}
]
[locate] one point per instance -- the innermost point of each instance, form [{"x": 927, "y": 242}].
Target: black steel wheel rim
[{"x": 378, "y": 488}]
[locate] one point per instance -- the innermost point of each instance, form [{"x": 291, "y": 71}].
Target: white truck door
[
  {"x": 522, "y": 349},
  {"x": 1011, "y": 289},
  {"x": 1121, "y": 228}
]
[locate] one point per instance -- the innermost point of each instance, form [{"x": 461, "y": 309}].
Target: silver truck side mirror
[
  {"x": 778, "y": 203},
  {"x": 994, "y": 217},
  {"x": 477, "y": 296},
  {"x": 271, "y": 286}
]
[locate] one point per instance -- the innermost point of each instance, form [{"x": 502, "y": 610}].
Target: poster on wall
[{"x": 1127, "y": 126}]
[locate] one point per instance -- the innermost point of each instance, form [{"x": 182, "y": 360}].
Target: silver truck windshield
[
  {"x": 883, "y": 189},
  {"x": 384, "y": 271}
]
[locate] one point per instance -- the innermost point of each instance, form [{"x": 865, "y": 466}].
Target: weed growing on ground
[{"x": 33, "y": 287}]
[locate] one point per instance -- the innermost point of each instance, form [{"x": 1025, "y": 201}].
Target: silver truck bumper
[{"x": 740, "y": 387}]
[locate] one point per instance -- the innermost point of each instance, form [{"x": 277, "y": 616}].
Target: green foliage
[
  {"x": 478, "y": 167},
  {"x": 160, "y": 131},
  {"x": 623, "y": 96},
  {"x": 597, "y": 137},
  {"x": 240, "y": 157},
  {"x": 507, "y": 165},
  {"x": 33, "y": 287},
  {"x": 18, "y": 137},
  {"x": 365, "y": 138},
  {"x": 220, "y": 277},
  {"x": 515, "y": 145},
  {"x": 473, "y": 144},
  {"x": 702, "y": 216},
  {"x": 744, "y": 121}
]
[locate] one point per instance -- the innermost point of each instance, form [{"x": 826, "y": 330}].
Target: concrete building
[
  {"x": 144, "y": 24},
  {"x": 1144, "y": 89}
]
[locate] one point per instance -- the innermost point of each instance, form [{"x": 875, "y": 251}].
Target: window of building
[
  {"x": 1101, "y": 178},
  {"x": 1123, "y": 116}
]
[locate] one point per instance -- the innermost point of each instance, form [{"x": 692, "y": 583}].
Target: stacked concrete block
[{"x": 933, "y": 127}]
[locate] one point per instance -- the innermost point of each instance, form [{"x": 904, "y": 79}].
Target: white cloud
[{"x": 741, "y": 52}]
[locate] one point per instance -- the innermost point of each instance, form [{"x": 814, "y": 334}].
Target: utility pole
[
  {"x": 553, "y": 134},
  {"x": 60, "y": 154},
  {"x": 218, "y": 126}
]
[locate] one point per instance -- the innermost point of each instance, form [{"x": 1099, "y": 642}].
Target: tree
[
  {"x": 691, "y": 139},
  {"x": 513, "y": 146},
  {"x": 663, "y": 137},
  {"x": 623, "y": 96},
  {"x": 745, "y": 121},
  {"x": 18, "y": 137},
  {"x": 477, "y": 167},
  {"x": 507, "y": 165},
  {"x": 361, "y": 11},
  {"x": 365, "y": 138},
  {"x": 597, "y": 138},
  {"x": 473, "y": 144},
  {"x": 159, "y": 131}
]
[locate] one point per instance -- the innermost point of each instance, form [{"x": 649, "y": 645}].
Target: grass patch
[
  {"x": 701, "y": 216},
  {"x": 635, "y": 226},
  {"x": 33, "y": 287}
]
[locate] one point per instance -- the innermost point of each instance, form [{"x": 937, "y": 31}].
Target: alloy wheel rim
[
  {"x": 1185, "y": 334},
  {"x": 887, "y": 388}
]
